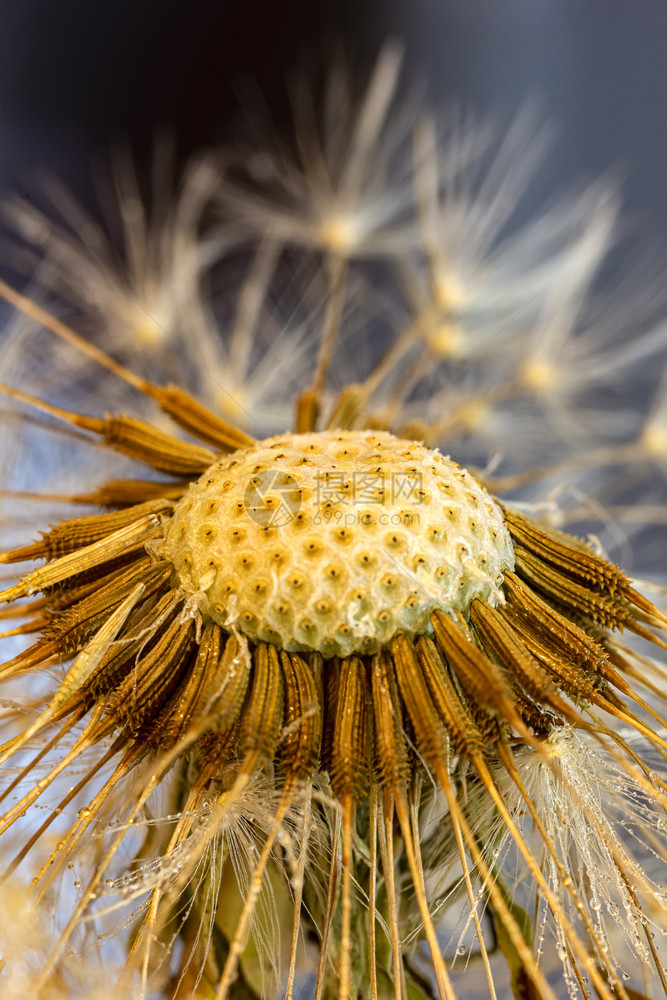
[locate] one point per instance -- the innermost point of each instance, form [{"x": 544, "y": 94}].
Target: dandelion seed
[
  {"x": 324, "y": 193},
  {"x": 140, "y": 292}
]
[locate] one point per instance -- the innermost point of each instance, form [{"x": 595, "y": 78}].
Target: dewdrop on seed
[{"x": 336, "y": 541}]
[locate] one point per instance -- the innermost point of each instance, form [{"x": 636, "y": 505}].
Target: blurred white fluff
[
  {"x": 139, "y": 289},
  {"x": 26, "y": 938},
  {"x": 502, "y": 327},
  {"x": 343, "y": 185}
]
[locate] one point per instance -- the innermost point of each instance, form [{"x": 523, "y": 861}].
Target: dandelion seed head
[
  {"x": 336, "y": 541},
  {"x": 325, "y": 675}
]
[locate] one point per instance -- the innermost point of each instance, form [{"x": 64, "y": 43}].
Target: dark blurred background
[{"x": 78, "y": 75}]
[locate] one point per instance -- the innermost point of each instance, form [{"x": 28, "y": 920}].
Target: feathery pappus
[{"x": 314, "y": 691}]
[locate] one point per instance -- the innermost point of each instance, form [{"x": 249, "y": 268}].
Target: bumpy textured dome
[{"x": 336, "y": 541}]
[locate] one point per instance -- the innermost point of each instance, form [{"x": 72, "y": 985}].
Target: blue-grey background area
[{"x": 77, "y": 76}]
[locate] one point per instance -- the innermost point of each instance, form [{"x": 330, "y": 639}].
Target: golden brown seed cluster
[{"x": 336, "y": 541}]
